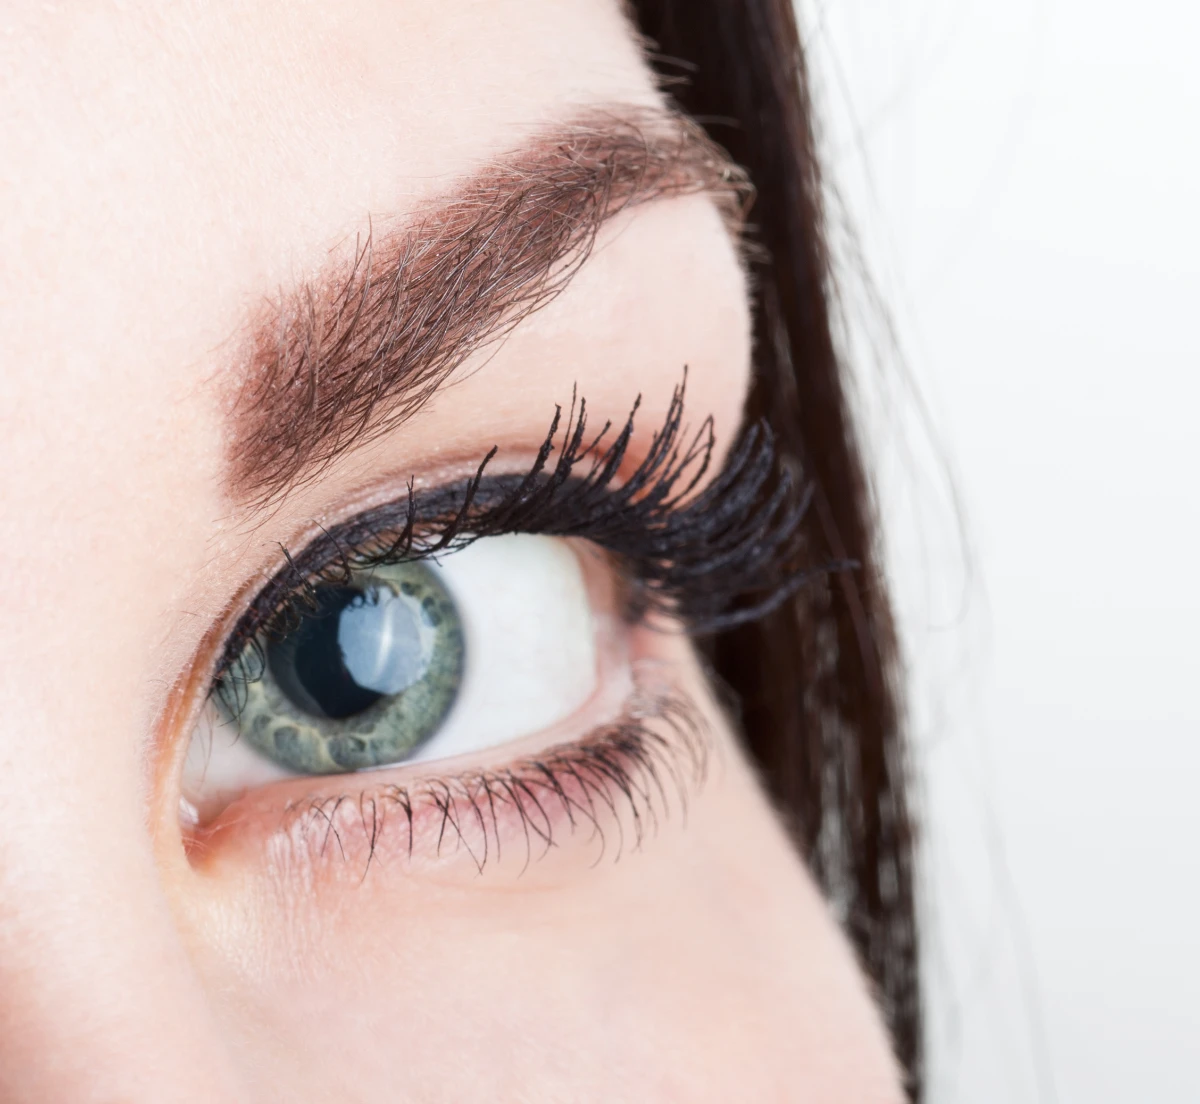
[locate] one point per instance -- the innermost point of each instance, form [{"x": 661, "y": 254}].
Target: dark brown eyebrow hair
[{"x": 342, "y": 360}]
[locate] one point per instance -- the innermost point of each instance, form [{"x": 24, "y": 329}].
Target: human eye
[
  {"x": 490, "y": 651},
  {"x": 414, "y": 661}
]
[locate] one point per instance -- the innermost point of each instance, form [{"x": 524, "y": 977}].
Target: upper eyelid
[
  {"x": 337, "y": 545},
  {"x": 701, "y": 547}
]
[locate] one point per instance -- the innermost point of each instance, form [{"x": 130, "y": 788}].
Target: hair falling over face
[{"x": 818, "y": 679}]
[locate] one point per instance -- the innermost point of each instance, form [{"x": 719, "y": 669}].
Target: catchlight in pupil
[{"x": 385, "y": 639}]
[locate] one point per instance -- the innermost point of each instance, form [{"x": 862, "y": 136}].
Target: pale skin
[{"x": 162, "y": 170}]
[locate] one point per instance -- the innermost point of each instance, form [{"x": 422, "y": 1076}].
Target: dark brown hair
[{"x": 817, "y": 682}]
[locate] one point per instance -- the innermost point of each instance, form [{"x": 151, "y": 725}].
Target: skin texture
[{"x": 161, "y": 171}]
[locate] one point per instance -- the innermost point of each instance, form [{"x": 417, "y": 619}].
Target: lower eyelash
[{"x": 618, "y": 785}]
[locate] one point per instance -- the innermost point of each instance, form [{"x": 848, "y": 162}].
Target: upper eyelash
[{"x": 712, "y": 558}]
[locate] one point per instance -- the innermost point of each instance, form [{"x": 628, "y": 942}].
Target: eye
[
  {"x": 501, "y": 608},
  {"x": 407, "y": 662}
]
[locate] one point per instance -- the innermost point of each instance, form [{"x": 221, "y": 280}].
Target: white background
[{"x": 1024, "y": 181}]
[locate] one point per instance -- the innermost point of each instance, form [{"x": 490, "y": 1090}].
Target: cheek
[{"x": 701, "y": 966}]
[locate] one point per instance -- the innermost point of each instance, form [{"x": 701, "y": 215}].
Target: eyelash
[
  {"x": 730, "y": 554},
  {"x": 625, "y": 772},
  {"x": 708, "y": 558}
]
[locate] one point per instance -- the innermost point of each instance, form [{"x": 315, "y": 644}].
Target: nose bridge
[{"x": 98, "y": 999}]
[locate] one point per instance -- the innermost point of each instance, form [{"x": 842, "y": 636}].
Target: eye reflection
[{"x": 367, "y": 676}]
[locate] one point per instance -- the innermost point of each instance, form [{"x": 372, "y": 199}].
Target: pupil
[{"x": 357, "y": 646}]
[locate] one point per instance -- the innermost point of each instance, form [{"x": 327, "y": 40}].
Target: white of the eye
[{"x": 530, "y": 641}]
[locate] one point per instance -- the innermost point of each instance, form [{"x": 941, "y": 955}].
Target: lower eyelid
[{"x": 607, "y": 793}]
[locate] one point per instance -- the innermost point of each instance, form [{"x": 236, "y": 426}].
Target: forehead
[
  {"x": 162, "y": 166},
  {"x": 166, "y": 163}
]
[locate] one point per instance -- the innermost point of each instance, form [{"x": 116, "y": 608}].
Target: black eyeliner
[{"x": 709, "y": 557}]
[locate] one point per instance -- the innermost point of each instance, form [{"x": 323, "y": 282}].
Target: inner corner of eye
[{"x": 409, "y": 662}]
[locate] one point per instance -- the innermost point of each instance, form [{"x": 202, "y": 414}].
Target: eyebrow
[{"x": 343, "y": 359}]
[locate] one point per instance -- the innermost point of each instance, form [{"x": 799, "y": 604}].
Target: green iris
[{"x": 367, "y": 675}]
